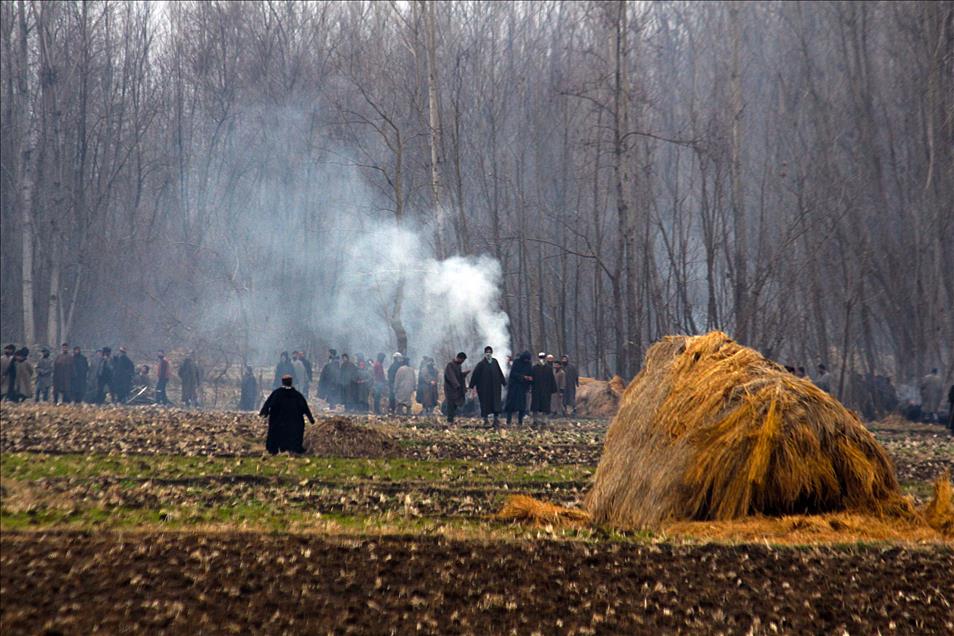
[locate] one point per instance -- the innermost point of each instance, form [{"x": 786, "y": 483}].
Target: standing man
[
  {"x": 283, "y": 368},
  {"x": 80, "y": 374},
  {"x": 103, "y": 370},
  {"x": 489, "y": 381},
  {"x": 285, "y": 408},
  {"x": 23, "y": 388},
  {"x": 572, "y": 381},
  {"x": 8, "y": 373},
  {"x": 300, "y": 373},
  {"x": 404, "y": 384},
  {"x": 454, "y": 387},
  {"x": 44, "y": 376},
  {"x": 62, "y": 375},
  {"x": 560, "y": 377},
  {"x": 427, "y": 385},
  {"x": 347, "y": 375},
  {"x": 397, "y": 360},
  {"x": 123, "y": 372},
  {"x": 518, "y": 384},
  {"x": 931, "y": 390},
  {"x": 189, "y": 376},
  {"x": 163, "y": 375},
  {"x": 328, "y": 382},
  {"x": 380, "y": 380},
  {"x": 249, "y": 390},
  {"x": 542, "y": 389}
]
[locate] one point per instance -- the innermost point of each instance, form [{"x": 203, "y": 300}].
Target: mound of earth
[{"x": 342, "y": 437}]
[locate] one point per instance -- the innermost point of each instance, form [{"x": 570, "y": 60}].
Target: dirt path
[{"x": 184, "y": 583}]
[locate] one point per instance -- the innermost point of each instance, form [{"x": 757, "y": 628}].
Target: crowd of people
[{"x": 71, "y": 377}]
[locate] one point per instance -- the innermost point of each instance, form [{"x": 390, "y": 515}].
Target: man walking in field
[
  {"x": 455, "y": 389},
  {"x": 285, "y": 409}
]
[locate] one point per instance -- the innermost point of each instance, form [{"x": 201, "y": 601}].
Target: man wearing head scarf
[
  {"x": 489, "y": 381},
  {"x": 518, "y": 384},
  {"x": 542, "y": 390},
  {"x": 44, "y": 376},
  {"x": 285, "y": 409}
]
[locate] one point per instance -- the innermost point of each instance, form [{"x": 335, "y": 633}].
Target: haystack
[
  {"x": 596, "y": 398},
  {"x": 711, "y": 430}
]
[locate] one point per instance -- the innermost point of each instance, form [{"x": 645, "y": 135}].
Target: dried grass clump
[
  {"x": 939, "y": 513},
  {"x": 524, "y": 509},
  {"x": 711, "y": 430},
  {"x": 596, "y": 398}
]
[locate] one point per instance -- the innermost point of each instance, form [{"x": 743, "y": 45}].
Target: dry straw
[{"x": 711, "y": 430}]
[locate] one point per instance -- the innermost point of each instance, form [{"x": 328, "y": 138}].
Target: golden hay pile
[
  {"x": 711, "y": 430},
  {"x": 524, "y": 509},
  {"x": 596, "y": 398}
]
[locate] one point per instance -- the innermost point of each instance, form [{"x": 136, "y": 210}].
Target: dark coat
[
  {"x": 284, "y": 367},
  {"x": 189, "y": 376},
  {"x": 544, "y": 386},
  {"x": 285, "y": 408},
  {"x": 328, "y": 383},
  {"x": 427, "y": 386},
  {"x": 249, "y": 393},
  {"x": 78, "y": 381},
  {"x": 489, "y": 381},
  {"x": 454, "y": 386},
  {"x": 518, "y": 385},
  {"x": 63, "y": 372},
  {"x": 347, "y": 383},
  {"x": 123, "y": 372}
]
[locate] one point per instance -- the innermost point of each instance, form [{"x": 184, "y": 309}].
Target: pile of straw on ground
[
  {"x": 596, "y": 398},
  {"x": 711, "y": 430}
]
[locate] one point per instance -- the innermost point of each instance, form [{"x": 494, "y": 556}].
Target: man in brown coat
[{"x": 62, "y": 375}]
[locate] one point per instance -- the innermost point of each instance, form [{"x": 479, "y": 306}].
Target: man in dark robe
[
  {"x": 572, "y": 381},
  {"x": 163, "y": 375},
  {"x": 347, "y": 379},
  {"x": 103, "y": 368},
  {"x": 455, "y": 389},
  {"x": 8, "y": 373},
  {"x": 249, "y": 390},
  {"x": 285, "y": 408},
  {"x": 489, "y": 381},
  {"x": 283, "y": 368},
  {"x": 543, "y": 388},
  {"x": 62, "y": 375},
  {"x": 518, "y": 384},
  {"x": 80, "y": 373},
  {"x": 427, "y": 385},
  {"x": 123, "y": 372},
  {"x": 362, "y": 384},
  {"x": 328, "y": 382},
  {"x": 380, "y": 379}
]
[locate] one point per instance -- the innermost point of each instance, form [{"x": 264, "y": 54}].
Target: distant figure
[
  {"x": 489, "y": 381},
  {"x": 8, "y": 373},
  {"x": 123, "y": 372},
  {"x": 931, "y": 390},
  {"x": 362, "y": 384},
  {"x": 141, "y": 379},
  {"x": 23, "y": 387},
  {"x": 560, "y": 376},
  {"x": 328, "y": 382},
  {"x": 189, "y": 376},
  {"x": 300, "y": 373},
  {"x": 44, "y": 376},
  {"x": 103, "y": 372},
  {"x": 427, "y": 386},
  {"x": 283, "y": 368},
  {"x": 62, "y": 375},
  {"x": 542, "y": 390},
  {"x": 454, "y": 387},
  {"x": 249, "y": 390},
  {"x": 347, "y": 374},
  {"x": 380, "y": 379},
  {"x": 518, "y": 384},
  {"x": 163, "y": 375},
  {"x": 285, "y": 408},
  {"x": 823, "y": 380},
  {"x": 571, "y": 383},
  {"x": 80, "y": 375},
  {"x": 397, "y": 360},
  {"x": 405, "y": 381}
]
